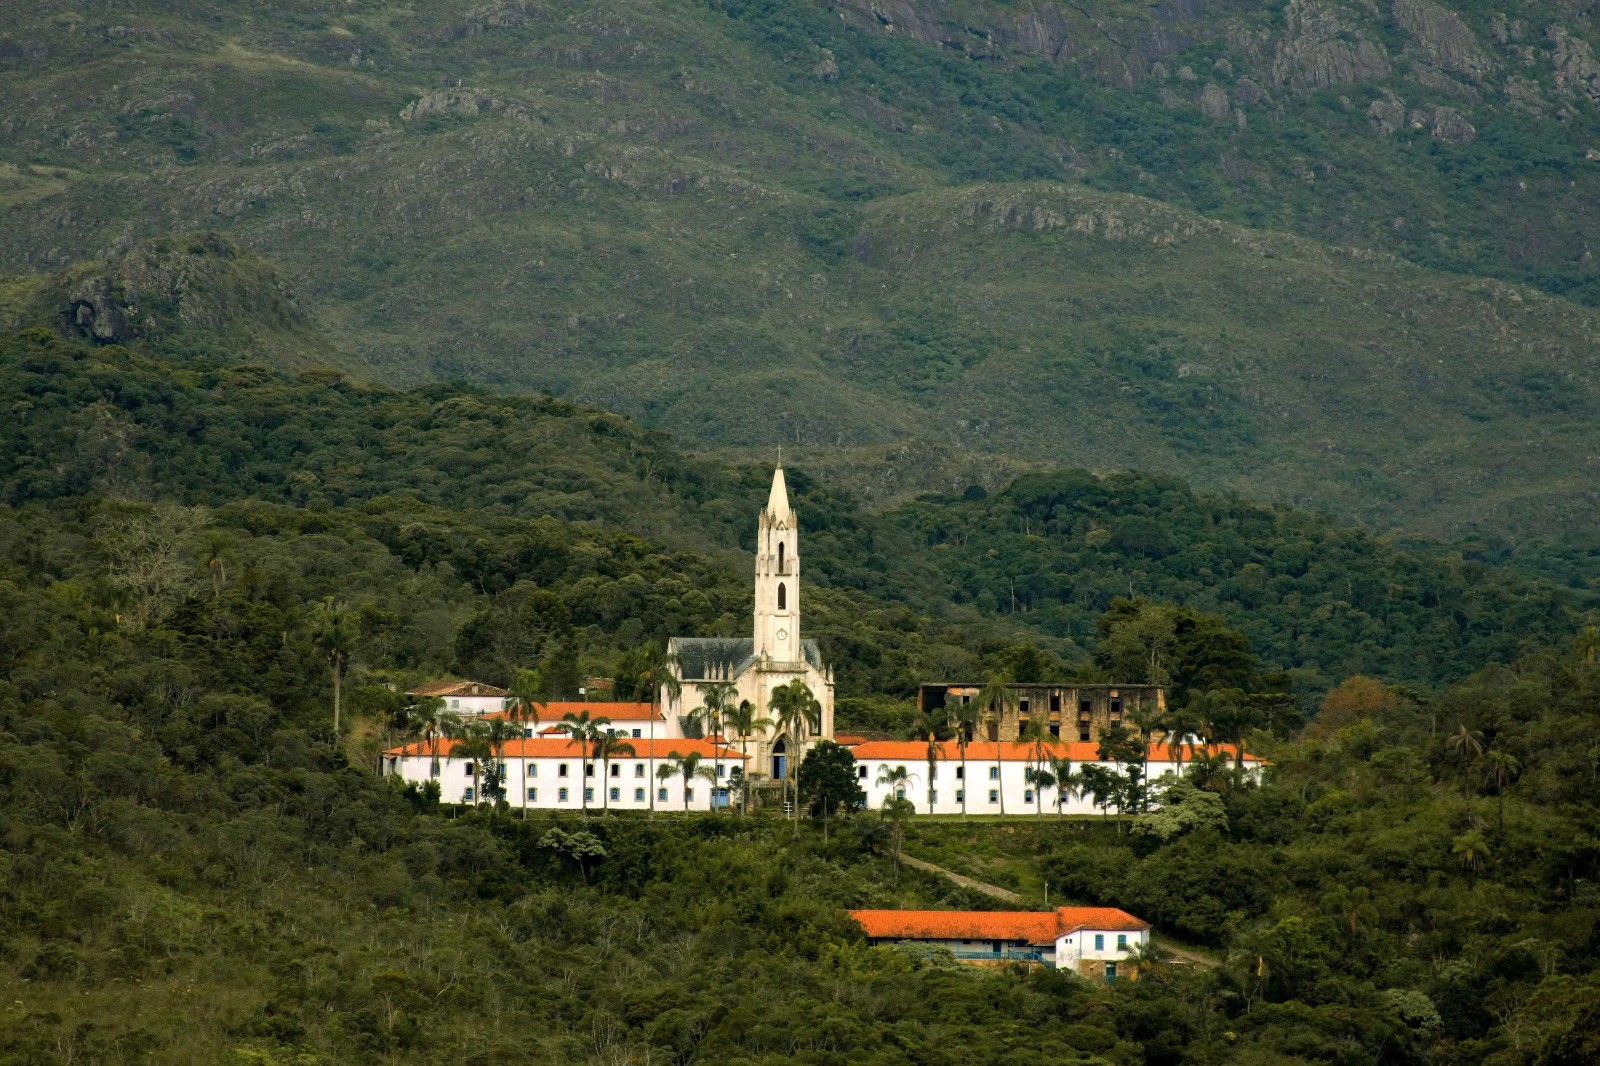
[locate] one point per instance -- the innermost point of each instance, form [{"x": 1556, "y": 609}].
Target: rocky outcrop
[
  {"x": 1214, "y": 103},
  {"x": 1321, "y": 47},
  {"x": 464, "y": 102},
  {"x": 1443, "y": 38},
  {"x": 1443, "y": 124},
  {"x": 1577, "y": 73},
  {"x": 1388, "y": 114}
]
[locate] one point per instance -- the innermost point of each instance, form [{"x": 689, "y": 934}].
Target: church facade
[{"x": 774, "y": 655}]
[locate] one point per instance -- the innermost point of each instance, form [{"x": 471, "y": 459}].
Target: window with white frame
[
  {"x": 638, "y": 795},
  {"x": 688, "y": 795},
  {"x": 588, "y": 769},
  {"x": 533, "y": 795},
  {"x": 994, "y": 795},
  {"x": 433, "y": 769},
  {"x": 466, "y": 794},
  {"x": 638, "y": 769},
  {"x": 467, "y": 769},
  {"x": 563, "y": 795},
  {"x": 533, "y": 769},
  {"x": 661, "y": 795},
  {"x": 637, "y": 734},
  {"x": 588, "y": 795},
  {"x": 615, "y": 794},
  {"x": 1027, "y": 795},
  {"x": 961, "y": 773},
  {"x": 561, "y": 771},
  {"x": 961, "y": 795},
  {"x": 616, "y": 769},
  {"x": 994, "y": 773},
  {"x": 861, "y": 772}
]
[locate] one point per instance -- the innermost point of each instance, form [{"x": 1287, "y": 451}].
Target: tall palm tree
[
  {"x": 744, "y": 721},
  {"x": 1146, "y": 719},
  {"x": 661, "y": 670},
  {"x": 931, "y": 725},
  {"x": 1036, "y": 731},
  {"x": 997, "y": 697},
  {"x": 497, "y": 732},
  {"x": 431, "y": 721},
  {"x": 474, "y": 745},
  {"x": 894, "y": 777},
  {"x": 1468, "y": 743},
  {"x": 689, "y": 767},
  {"x": 609, "y": 746},
  {"x": 1066, "y": 780},
  {"x": 966, "y": 717},
  {"x": 1040, "y": 779},
  {"x": 219, "y": 550},
  {"x": 334, "y": 633},
  {"x": 586, "y": 731},
  {"x": 1500, "y": 768},
  {"x": 528, "y": 697},
  {"x": 711, "y": 717},
  {"x": 1184, "y": 720},
  {"x": 795, "y": 712}
]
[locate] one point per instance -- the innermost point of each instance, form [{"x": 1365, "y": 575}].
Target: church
[
  {"x": 774, "y": 655},
  {"x": 544, "y": 769}
]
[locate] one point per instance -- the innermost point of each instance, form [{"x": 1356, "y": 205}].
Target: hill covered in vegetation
[{"x": 1318, "y": 253}]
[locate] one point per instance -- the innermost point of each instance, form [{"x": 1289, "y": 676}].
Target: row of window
[
  {"x": 564, "y": 795},
  {"x": 561, "y": 770},
  {"x": 961, "y": 795}
]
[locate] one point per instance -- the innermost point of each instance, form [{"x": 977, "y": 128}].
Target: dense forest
[{"x": 195, "y": 868}]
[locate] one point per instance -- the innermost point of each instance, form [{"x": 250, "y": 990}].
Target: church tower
[{"x": 777, "y": 631}]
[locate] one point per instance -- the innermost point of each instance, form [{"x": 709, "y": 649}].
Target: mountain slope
[{"x": 845, "y": 227}]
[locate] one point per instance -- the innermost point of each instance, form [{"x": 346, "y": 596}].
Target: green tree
[
  {"x": 1500, "y": 768},
  {"x": 1040, "y": 779},
  {"x": 610, "y": 746},
  {"x": 795, "y": 711},
  {"x": 1067, "y": 781},
  {"x": 931, "y": 726},
  {"x": 965, "y": 717},
  {"x": 688, "y": 767},
  {"x": 828, "y": 780},
  {"x": 997, "y": 697},
  {"x": 333, "y": 634},
  {"x": 528, "y": 698},
  {"x": 1468, "y": 744},
  {"x": 711, "y": 716},
  {"x": 587, "y": 732},
  {"x": 1471, "y": 850},
  {"x": 744, "y": 721}
]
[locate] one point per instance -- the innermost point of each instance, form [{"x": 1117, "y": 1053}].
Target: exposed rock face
[
  {"x": 1448, "y": 125},
  {"x": 1320, "y": 48},
  {"x": 827, "y": 67},
  {"x": 1248, "y": 92},
  {"x": 1214, "y": 103},
  {"x": 1443, "y": 37},
  {"x": 466, "y": 102},
  {"x": 1388, "y": 114},
  {"x": 1577, "y": 73},
  {"x": 95, "y": 313}
]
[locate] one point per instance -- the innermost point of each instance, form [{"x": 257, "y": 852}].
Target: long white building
[
  {"x": 558, "y": 774},
  {"x": 994, "y": 779}
]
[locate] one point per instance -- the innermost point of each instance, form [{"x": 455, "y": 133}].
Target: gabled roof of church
[{"x": 713, "y": 657}]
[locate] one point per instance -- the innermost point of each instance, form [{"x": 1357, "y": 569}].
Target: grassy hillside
[{"x": 784, "y": 222}]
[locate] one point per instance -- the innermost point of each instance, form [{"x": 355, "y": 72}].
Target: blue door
[
  {"x": 778, "y": 764},
  {"x": 719, "y": 798}
]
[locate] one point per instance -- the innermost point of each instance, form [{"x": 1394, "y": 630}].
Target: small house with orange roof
[
  {"x": 469, "y": 699},
  {"x": 1097, "y": 942}
]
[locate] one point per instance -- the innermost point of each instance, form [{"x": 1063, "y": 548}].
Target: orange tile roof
[
  {"x": 617, "y": 712},
  {"x": 457, "y": 688},
  {"x": 553, "y": 748},
  {"x": 1033, "y": 927},
  {"x": 1016, "y": 751},
  {"x": 849, "y": 740}
]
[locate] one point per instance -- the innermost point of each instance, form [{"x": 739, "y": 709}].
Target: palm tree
[
  {"x": 931, "y": 724},
  {"x": 1586, "y": 645},
  {"x": 528, "y": 696},
  {"x": 1036, "y": 731},
  {"x": 966, "y": 717},
  {"x": 895, "y": 778},
  {"x": 1353, "y": 909},
  {"x": 1067, "y": 780},
  {"x": 1146, "y": 719},
  {"x": 997, "y": 697},
  {"x": 1040, "y": 779},
  {"x": 334, "y": 634},
  {"x": 431, "y": 722},
  {"x": 689, "y": 767},
  {"x": 586, "y": 731},
  {"x": 496, "y": 733},
  {"x": 744, "y": 721},
  {"x": 1181, "y": 722},
  {"x": 795, "y": 711},
  {"x": 218, "y": 549},
  {"x": 1500, "y": 768},
  {"x": 661, "y": 670},
  {"x": 1471, "y": 850},
  {"x": 1101, "y": 784},
  {"x": 712, "y": 715},
  {"x": 609, "y": 746},
  {"x": 475, "y": 745},
  {"x": 1468, "y": 743}
]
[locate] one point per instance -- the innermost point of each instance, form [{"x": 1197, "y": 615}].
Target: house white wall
[
  {"x": 1098, "y": 945},
  {"x": 556, "y": 783}
]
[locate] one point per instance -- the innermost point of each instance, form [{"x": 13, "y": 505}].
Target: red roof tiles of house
[
  {"x": 617, "y": 712},
  {"x": 458, "y": 689},
  {"x": 1016, "y": 751},
  {"x": 1033, "y": 927},
  {"x": 555, "y": 748}
]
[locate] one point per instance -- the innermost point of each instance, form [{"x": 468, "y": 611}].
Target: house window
[
  {"x": 783, "y": 597},
  {"x": 688, "y": 795},
  {"x": 933, "y": 797},
  {"x": 466, "y": 794},
  {"x": 722, "y": 771},
  {"x": 563, "y": 795},
  {"x": 588, "y": 795},
  {"x": 533, "y": 769},
  {"x": 588, "y": 769},
  {"x": 533, "y": 795},
  {"x": 527, "y": 732},
  {"x": 899, "y": 793},
  {"x": 1085, "y": 708},
  {"x": 638, "y": 769},
  {"x": 1099, "y": 941},
  {"x": 616, "y": 794},
  {"x": 433, "y": 770},
  {"x": 637, "y": 733},
  {"x": 638, "y": 795},
  {"x": 1116, "y": 708},
  {"x": 1055, "y": 703},
  {"x": 561, "y": 771},
  {"x": 1023, "y": 705},
  {"x": 661, "y": 795},
  {"x": 1027, "y": 795},
  {"x": 780, "y": 561},
  {"x": 994, "y": 773},
  {"x": 1122, "y": 941},
  {"x": 616, "y": 770},
  {"x": 467, "y": 769},
  {"x": 1083, "y": 735},
  {"x": 1055, "y": 729},
  {"x": 861, "y": 772},
  {"x": 961, "y": 773},
  {"x": 961, "y": 795},
  {"x": 994, "y": 795},
  {"x": 455, "y": 705}
]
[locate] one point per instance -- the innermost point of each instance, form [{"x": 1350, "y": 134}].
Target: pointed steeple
[{"x": 778, "y": 499}]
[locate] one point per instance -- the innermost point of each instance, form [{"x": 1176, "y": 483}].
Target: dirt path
[
  {"x": 1182, "y": 955},
  {"x": 965, "y": 882}
]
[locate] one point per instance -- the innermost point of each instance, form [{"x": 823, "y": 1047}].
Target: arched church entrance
[{"x": 780, "y": 758}]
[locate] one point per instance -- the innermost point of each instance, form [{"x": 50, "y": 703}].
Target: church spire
[{"x": 778, "y": 498}]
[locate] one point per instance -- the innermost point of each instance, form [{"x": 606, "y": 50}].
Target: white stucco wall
[{"x": 544, "y": 776}]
